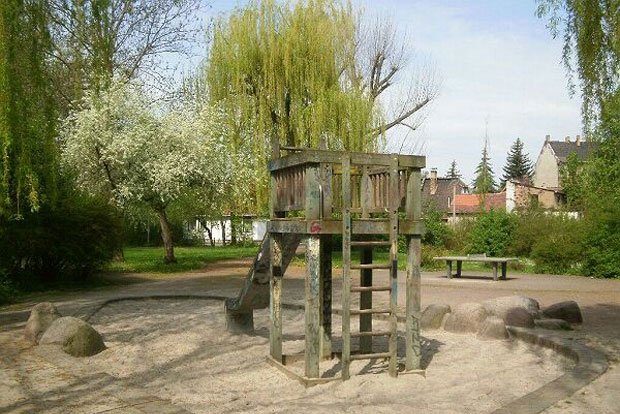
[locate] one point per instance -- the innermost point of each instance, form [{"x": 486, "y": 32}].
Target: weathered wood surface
[
  {"x": 496, "y": 262},
  {"x": 477, "y": 259},
  {"x": 360, "y": 226},
  {"x": 346, "y": 271},
  {"x": 255, "y": 291},
  {"x": 335, "y": 157}
]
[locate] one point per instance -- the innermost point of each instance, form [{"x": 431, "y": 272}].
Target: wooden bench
[{"x": 482, "y": 258}]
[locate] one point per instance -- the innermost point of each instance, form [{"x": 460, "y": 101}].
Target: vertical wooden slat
[
  {"x": 312, "y": 192},
  {"x": 413, "y": 211},
  {"x": 366, "y": 192},
  {"x": 346, "y": 266},
  {"x": 393, "y": 205},
  {"x": 327, "y": 196}
]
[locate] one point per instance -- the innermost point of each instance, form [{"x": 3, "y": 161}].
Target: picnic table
[{"x": 495, "y": 261}]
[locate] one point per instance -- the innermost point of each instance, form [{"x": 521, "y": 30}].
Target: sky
[{"x": 500, "y": 70}]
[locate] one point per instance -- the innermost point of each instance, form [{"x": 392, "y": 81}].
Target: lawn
[{"x": 150, "y": 259}]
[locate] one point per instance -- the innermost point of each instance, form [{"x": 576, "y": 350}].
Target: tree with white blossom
[{"x": 121, "y": 146}]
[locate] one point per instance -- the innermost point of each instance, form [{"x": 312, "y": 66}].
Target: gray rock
[
  {"x": 41, "y": 317},
  {"x": 558, "y": 324},
  {"x": 493, "y": 328},
  {"x": 519, "y": 317},
  {"x": 568, "y": 311},
  {"x": 500, "y": 306},
  {"x": 75, "y": 336},
  {"x": 433, "y": 316},
  {"x": 466, "y": 317}
]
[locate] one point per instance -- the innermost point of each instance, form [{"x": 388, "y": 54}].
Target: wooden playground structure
[{"x": 370, "y": 199}]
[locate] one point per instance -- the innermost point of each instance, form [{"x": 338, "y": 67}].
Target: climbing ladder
[{"x": 366, "y": 288}]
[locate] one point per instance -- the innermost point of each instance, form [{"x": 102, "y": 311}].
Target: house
[
  {"x": 521, "y": 194},
  {"x": 470, "y": 204},
  {"x": 438, "y": 192},
  {"x": 553, "y": 155}
]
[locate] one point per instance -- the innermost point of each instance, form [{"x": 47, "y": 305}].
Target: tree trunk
[
  {"x": 166, "y": 236},
  {"x": 209, "y": 232},
  {"x": 233, "y": 230},
  {"x": 223, "y": 227}
]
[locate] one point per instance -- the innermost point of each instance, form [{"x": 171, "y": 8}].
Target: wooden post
[
  {"x": 413, "y": 207},
  {"x": 459, "y": 268},
  {"x": 313, "y": 310},
  {"x": 393, "y": 203},
  {"x": 504, "y": 265},
  {"x": 366, "y": 302},
  {"x": 449, "y": 269},
  {"x": 275, "y": 298},
  {"x": 325, "y": 295},
  {"x": 346, "y": 263},
  {"x": 495, "y": 271}
]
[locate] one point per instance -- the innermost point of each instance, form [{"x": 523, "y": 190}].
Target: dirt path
[{"x": 599, "y": 299}]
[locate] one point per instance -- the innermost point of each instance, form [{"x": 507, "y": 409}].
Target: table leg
[
  {"x": 495, "y": 271},
  {"x": 459, "y": 266},
  {"x": 504, "y": 265},
  {"x": 449, "y": 269}
]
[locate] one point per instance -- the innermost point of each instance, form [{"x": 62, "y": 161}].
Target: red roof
[{"x": 472, "y": 203}]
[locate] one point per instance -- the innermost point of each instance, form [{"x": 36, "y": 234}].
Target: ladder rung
[
  {"x": 371, "y": 266},
  {"x": 369, "y": 311},
  {"x": 371, "y": 333},
  {"x": 371, "y": 288},
  {"x": 371, "y": 356},
  {"x": 370, "y": 244}
]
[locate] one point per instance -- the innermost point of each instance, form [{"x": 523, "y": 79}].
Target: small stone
[
  {"x": 501, "y": 305},
  {"x": 493, "y": 328},
  {"x": 519, "y": 317},
  {"x": 466, "y": 317},
  {"x": 568, "y": 311},
  {"x": 41, "y": 317},
  {"x": 557, "y": 324},
  {"x": 76, "y": 337},
  {"x": 433, "y": 316}
]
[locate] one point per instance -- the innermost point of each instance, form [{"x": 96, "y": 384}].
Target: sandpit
[{"x": 179, "y": 350}]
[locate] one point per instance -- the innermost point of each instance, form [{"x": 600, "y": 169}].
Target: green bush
[
  {"x": 560, "y": 249},
  {"x": 437, "y": 231},
  {"x": 602, "y": 253},
  {"x": 427, "y": 261},
  {"x": 58, "y": 246},
  {"x": 491, "y": 233}
]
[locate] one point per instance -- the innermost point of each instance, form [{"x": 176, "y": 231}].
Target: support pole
[
  {"x": 313, "y": 310},
  {"x": 326, "y": 295},
  {"x": 413, "y": 351},
  {"x": 275, "y": 298}
]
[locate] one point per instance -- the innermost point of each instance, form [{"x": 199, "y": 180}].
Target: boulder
[
  {"x": 41, "y": 317},
  {"x": 493, "y": 328},
  {"x": 558, "y": 324},
  {"x": 433, "y": 316},
  {"x": 500, "y": 306},
  {"x": 519, "y": 317},
  {"x": 568, "y": 311},
  {"x": 76, "y": 337},
  {"x": 466, "y": 317}
]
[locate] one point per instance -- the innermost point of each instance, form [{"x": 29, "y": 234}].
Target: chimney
[
  {"x": 434, "y": 184},
  {"x": 567, "y": 139},
  {"x": 547, "y": 139},
  {"x": 578, "y": 140}
]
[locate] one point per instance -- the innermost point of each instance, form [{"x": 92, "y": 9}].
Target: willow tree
[
  {"x": 297, "y": 73},
  {"x": 591, "y": 33},
  {"x": 28, "y": 156}
]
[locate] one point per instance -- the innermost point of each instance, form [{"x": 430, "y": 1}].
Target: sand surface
[{"x": 178, "y": 350}]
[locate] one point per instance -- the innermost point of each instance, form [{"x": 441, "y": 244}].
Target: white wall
[
  {"x": 546, "y": 172},
  {"x": 256, "y": 230}
]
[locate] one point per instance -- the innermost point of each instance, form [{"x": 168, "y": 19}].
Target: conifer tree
[
  {"x": 485, "y": 180},
  {"x": 518, "y": 165},
  {"x": 453, "y": 171}
]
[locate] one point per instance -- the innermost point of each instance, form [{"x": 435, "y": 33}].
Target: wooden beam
[
  {"x": 346, "y": 272},
  {"x": 325, "y": 295},
  {"x": 275, "y": 298},
  {"x": 394, "y": 203},
  {"x": 312, "y": 306},
  {"x": 360, "y": 226},
  {"x": 334, "y": 157}
]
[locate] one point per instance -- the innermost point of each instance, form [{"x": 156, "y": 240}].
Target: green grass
[{"x": 150, "y": 259}]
